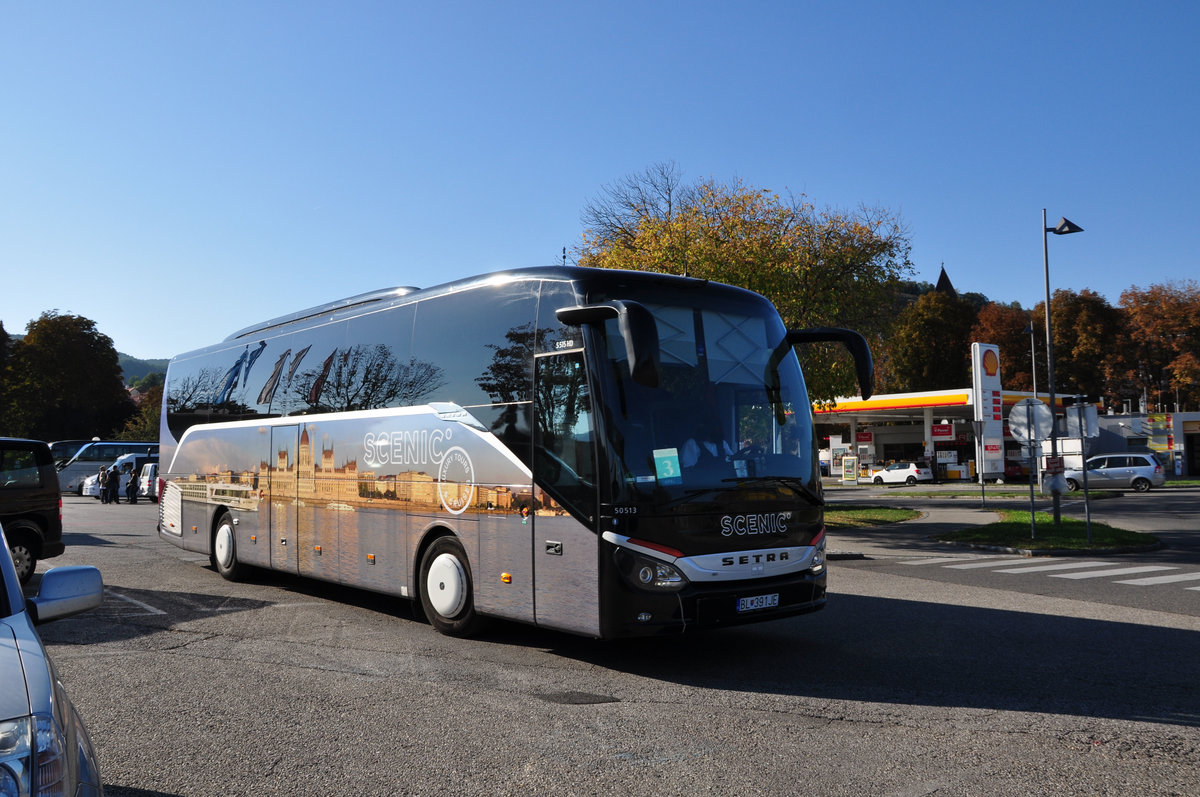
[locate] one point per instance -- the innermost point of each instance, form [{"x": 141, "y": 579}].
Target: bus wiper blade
[{"x": 784, "y": 481}]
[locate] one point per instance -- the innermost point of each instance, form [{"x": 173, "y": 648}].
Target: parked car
[
  {"x": 30, "y": 503},
  {"x": 44, "y": 747},
  {"x": 902, "y": 473},
  {"x": 1119, "y": 472},
  {"x": 148, "y": 482}
]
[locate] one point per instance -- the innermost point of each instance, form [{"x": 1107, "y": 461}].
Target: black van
[{"x": 30, "y": 503}]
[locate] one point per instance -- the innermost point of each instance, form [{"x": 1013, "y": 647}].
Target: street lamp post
[
  {"x": 1036, "y": 471},
  {"x": 1063, "y": 227}
]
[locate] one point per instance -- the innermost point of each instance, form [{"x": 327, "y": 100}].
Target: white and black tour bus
[{"x": 608, "y": 453}]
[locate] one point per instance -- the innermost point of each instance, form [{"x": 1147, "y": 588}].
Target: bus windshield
[{"x": 729, "y": 420}]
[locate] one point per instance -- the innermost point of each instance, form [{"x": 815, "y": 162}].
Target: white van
[
  {"x": 148, "y": 482},
  {"x": 138, "y": 462},
  {"x": 88, "y": 460}
]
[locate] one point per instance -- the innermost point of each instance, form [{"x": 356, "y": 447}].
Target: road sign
[
  {"x": 1082, "y": 421},
  {"x": 1054, "y": 466},
  {"x": 1030, "y": 420}
]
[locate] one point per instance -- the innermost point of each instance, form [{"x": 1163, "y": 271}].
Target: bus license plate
[{"x": 758, "y": 602}]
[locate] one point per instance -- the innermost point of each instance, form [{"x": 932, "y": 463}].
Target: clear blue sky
[{"x": 176, "y": 171}]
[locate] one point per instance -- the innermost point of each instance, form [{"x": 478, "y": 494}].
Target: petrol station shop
[{"x": 934, "y": 427}]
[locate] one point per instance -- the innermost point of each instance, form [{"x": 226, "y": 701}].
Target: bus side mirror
[
  {"x": 864, "y": 365},
  {"x": 638, "y": 331}
]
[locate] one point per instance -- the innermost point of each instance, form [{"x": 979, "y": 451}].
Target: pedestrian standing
[
  {"x": 102, "y": 484},
  {"x": 131, "y": 487},
  {"x": 114, "y": 486}
]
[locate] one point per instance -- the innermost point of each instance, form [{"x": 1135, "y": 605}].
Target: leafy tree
[
  {"x": 930, "y": 345},
  {"x": 1164, "y": 342},
  {"x": 1088, "y": 338},
  {"x": 819, "y": 267},
  {"x": 63, "y": 381},
  {"x": 977, "y": 300},
  {"x": 1007, "y": 325},
  {"x": 144, "y": 423},
  {"x": 150, "y": 380}
]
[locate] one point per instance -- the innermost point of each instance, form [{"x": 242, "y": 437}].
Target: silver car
[
  {"x": 1119, "y": 472},
  {"x": 44, "y": 748}
]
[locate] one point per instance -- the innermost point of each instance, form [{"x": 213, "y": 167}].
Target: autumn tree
[
  {"x": 1164, "y": 342},
  {"x": 930, "y": 345},
  {"x": 819, "y": 266},
  {"x": 1008, "y": 326},
  {"x": 62, "y": 380},
  {"x": 1089, "y": 335}
]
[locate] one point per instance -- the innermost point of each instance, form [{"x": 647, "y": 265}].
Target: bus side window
[
  {"x": 482, "y": 343},
  {"x": 190, "y": 387},
  {"x": 554, "y": 335},
  {"x": 564, "y": 454},
  {"x": 387, "y": 374}
]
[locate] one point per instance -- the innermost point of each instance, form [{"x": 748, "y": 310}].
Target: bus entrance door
[
  {"x": 283, "y": 505},
  {"x": 564, "y": 550}
]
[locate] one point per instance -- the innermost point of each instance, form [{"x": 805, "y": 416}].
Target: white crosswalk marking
[
  {"x": 1146, "y": 582},
  {"x": 1121, "y": 571},
  {"x": 1059, "y": 566},
  {"x": 1084, "y": 569},
  {"x": 940, "y": 560},
  {"x": 992, "y": 563}
]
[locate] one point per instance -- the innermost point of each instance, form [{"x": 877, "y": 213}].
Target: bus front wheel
[
  {"x": 445, "y": 585},
  {"x": 224, "y": 550}
]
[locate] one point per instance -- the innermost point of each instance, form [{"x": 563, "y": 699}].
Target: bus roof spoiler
[
  {"x": 638, "y": 330},
  {"x": 864, "y": 365},
  {"x": 328, "y": 307}
]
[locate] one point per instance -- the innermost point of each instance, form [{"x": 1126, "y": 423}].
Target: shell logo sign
[
  {"x": 991, "y": 362},
  {"x": 987, "y": 401}
]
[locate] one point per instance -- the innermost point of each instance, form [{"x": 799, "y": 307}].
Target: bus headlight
[
  {"x": 818, "y": 559},
  {"x": 659, "y": 575},
  {"x": 649, "y": 574}
]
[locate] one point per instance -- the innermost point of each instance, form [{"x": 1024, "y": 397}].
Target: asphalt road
[{"x": 903, "y": 686}]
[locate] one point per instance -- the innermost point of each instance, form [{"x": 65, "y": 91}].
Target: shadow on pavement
[{"x": 913, "y": 653}]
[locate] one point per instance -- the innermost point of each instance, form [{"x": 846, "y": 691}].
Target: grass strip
[
  {"x": 858, "y": 516},
  {"x": 1070, "y": 534}
]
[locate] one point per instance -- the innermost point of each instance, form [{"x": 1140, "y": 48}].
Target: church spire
[{"x": 944, "y": 285}]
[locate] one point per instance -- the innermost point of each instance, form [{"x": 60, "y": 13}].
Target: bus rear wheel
[
  {"x": 224, "y": 550},
  {"x": 445, "y": 586}
]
